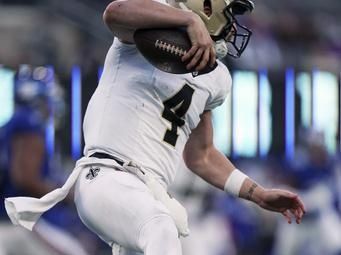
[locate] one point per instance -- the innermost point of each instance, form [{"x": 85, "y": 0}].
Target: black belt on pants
[{"x": 107, "y": 156}]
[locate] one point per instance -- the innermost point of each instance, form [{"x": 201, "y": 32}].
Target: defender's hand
[
  {"x": 285, "y": 202},
  {"x": 202, "y": 51}
]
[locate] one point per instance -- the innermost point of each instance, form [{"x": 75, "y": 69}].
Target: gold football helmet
[{"x": 219, "y": 17}]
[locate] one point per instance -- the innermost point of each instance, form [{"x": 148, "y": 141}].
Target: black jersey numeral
[{"x": 174, "y": 110}]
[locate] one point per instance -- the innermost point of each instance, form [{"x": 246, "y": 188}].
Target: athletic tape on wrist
[{"x": 234, "y": 182}]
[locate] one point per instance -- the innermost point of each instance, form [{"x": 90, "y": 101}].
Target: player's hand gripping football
[
  {"x": 202, "y": 51},
  {"x": 282, "y": 201}
]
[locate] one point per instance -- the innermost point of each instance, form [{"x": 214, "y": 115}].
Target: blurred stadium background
[{"x": 281, "y": 124}]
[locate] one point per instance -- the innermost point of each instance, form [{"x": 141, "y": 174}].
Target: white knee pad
[{"x": 160, "y": 236}]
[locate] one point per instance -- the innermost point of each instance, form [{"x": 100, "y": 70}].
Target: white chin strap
[
  {"x": 221, "y": 48},
  {"x": 183, "y": 7}
]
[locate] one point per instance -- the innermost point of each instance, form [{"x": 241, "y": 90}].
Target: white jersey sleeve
[
  {"x": 161, "y": 1},
  {"x": 223, "y": 87}
]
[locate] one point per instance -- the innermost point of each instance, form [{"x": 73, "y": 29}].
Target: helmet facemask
[
  {"x": 219, "y": 16},
  {"x": 234, "y": 37}
]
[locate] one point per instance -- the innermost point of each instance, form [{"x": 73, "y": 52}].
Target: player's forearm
[
  {"x": 251, "y": 190},
  {"x": 134, "y": 14},
  {"x": 215, "y": 168},
  {"x": 210, "y": 165}
]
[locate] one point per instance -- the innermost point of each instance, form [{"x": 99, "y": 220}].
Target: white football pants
[{"x": 120, "y": 209}]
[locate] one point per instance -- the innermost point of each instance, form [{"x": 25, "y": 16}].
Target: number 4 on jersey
[{"x": 174, "y": 111}]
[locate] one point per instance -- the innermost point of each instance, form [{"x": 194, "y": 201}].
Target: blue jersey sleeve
[{"x": 25, "y": 121}]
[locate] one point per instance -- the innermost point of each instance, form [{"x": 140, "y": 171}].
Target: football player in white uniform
[{"x": 142, "y": 122}]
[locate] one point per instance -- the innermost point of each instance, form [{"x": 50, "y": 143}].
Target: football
[{"x": 164, "y": 48}]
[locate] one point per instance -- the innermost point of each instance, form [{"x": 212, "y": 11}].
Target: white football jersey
[{"x": 142, "y": 114}]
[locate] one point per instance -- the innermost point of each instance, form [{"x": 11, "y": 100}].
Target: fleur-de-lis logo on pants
[{"x": 93, "y": 172}]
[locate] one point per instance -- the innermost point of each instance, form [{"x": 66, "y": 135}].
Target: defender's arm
[
  {"x": 202, "y": 158},
  {"x": 27, "y": 158}
]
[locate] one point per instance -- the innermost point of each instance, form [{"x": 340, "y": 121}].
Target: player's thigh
[
  {"x": 160, "y": 236},
  {"x": 115, "y": 205}
]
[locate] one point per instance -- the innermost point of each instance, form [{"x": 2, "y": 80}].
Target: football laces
[{"x": 172, "y": 49}]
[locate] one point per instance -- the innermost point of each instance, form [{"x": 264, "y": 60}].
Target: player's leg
[
  {"x": 117, "y": 206},
  {"x": 160, "y": 236},
  {"x": 17, "y": 240},
  {"x": 58, "y": 239}
]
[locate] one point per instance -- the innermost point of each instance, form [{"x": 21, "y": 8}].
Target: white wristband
[{"x": 234, "y": 182}]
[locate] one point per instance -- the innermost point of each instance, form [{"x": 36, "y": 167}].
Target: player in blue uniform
[{"x": 26, "y": 167}]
